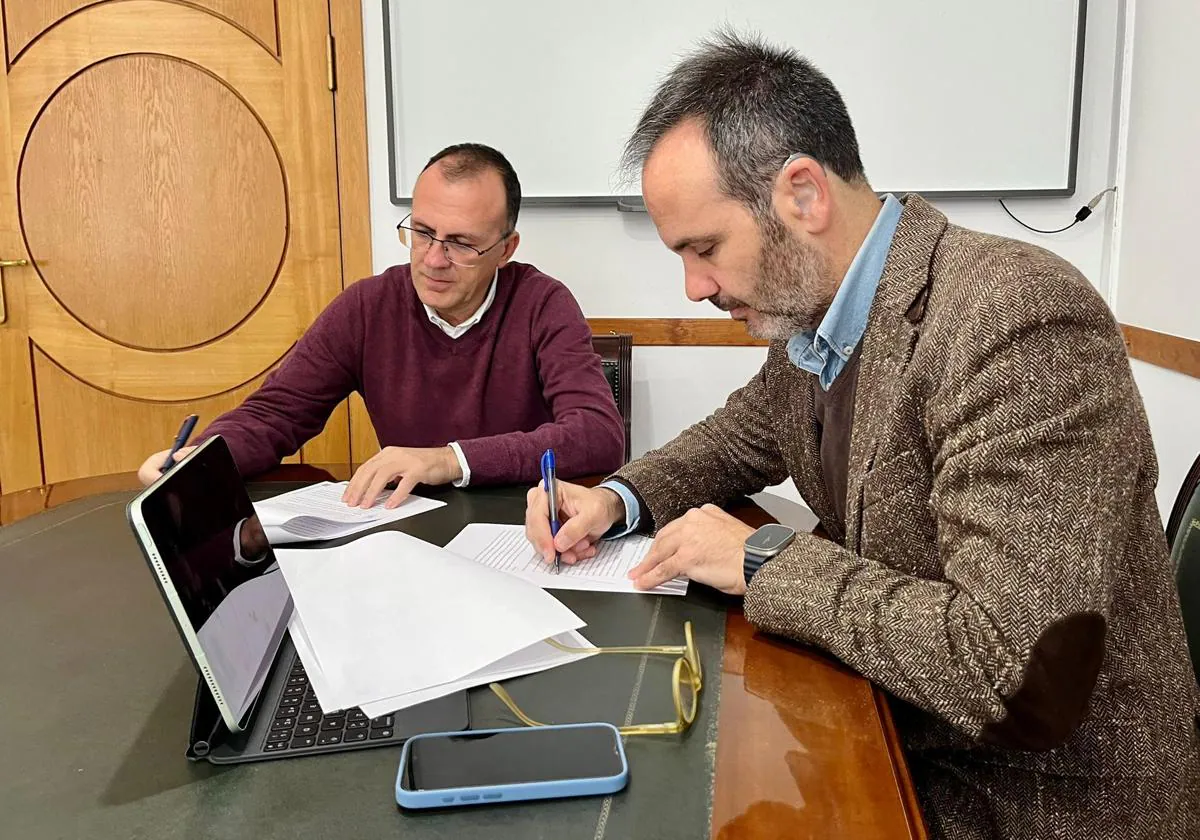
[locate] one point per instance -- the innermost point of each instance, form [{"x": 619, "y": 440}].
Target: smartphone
[{"x": 505, "y": 765}]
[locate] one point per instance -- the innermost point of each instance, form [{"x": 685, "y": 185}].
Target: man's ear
[
  {"x": 802, "y": 193},
  {"x": 510, "y": 248}
]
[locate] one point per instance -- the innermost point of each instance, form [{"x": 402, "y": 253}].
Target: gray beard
[{"x": 794, "y": 289}]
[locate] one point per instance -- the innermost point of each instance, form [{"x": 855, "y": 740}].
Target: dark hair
[
  {"x": 759, "y": 104},
  {"x": 464, "y": 160}
]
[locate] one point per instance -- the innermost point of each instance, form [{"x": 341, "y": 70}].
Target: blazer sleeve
[{"x": 1038, "y": 442}]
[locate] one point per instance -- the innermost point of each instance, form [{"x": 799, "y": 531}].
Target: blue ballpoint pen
[
  {"x": 185, "y": 432},
  {"x": 550, "y": 482}
]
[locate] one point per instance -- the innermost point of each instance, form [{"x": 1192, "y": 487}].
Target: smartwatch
[{"x": 764, "y": 544}]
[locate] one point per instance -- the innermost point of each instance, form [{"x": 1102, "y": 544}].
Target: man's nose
[{"x": 699, "y": 286}]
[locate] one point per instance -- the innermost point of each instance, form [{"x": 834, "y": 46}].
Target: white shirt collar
[{"x": 461, "y": 329}]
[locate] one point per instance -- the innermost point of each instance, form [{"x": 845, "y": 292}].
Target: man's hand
[
  {"x": 412, "y": 466},
  {"x": 706, "y": 544},
  {"x": 151, "y": 469},
  {"x": 584, "y": 515}
]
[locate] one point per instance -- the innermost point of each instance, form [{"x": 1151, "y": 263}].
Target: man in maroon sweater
[{"x": 470, "y": 365}]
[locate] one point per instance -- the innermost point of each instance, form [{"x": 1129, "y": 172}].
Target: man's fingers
[
  {"x": 583, "y": 550},
  {"x": 358, "y": 482},
  {"x": 537, "y": 523},
  {"x": 660, "y": 574},
  {"x": 572, "y": 531},
  {"x": 378, "y": 481},
  {"x": 183, "y": 453},
  {"x": 666, "y": 543},
  {"x": 406, "y": 485}
]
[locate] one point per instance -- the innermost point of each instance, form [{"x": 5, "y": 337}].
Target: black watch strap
[{"x": 751, "y": 563}]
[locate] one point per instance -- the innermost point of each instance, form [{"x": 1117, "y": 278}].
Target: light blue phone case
[{"x": 484, "y": 795}]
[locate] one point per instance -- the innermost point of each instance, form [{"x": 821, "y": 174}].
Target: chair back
[
  {"x": 616, "y": 357},
  {"x": 1183, "y": 537}
]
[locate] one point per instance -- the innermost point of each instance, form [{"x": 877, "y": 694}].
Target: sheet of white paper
[
  {"x": 504, "y": 548},
  {"x": 389, "y": 614},
  {"x": 326, "y": 693},
  {"x": 317, "y": 512},
  {"x": 530, "y": 660}
]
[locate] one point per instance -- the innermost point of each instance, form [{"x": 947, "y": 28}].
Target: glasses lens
[
  {"x": 685, "y": 689},
  {"x": 692, "y": 655},
  {"x": 462, "y": 255}
]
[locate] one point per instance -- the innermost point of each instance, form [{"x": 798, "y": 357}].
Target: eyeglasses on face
[
  {"x": 459, "y": 253},
  {"x": 687, "y": 680}
]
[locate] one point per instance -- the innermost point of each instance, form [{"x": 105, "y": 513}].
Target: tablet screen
[{"x": 221, "y": 568}]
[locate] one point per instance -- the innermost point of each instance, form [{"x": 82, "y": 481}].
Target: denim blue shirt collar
[{"x": 826, "y": 350}]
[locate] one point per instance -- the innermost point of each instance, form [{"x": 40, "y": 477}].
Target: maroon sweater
[{"x": 522, "y": 380}]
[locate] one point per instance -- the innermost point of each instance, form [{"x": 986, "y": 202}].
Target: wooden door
[{"x": 168, "y": 170}]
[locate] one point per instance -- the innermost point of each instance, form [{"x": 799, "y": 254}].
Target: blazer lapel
[{"x": 888, "y": 343}]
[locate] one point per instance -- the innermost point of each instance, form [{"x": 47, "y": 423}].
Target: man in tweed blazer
[{"x": 959, "y": 412}]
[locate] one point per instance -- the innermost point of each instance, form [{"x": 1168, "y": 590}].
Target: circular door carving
[{"x": 153, "y": 202}]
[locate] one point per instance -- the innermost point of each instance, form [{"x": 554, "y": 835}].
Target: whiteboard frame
[{"x": 634, "y": 203}]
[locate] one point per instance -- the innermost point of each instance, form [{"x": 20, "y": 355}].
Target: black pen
[{"x": 185, "y": 432}]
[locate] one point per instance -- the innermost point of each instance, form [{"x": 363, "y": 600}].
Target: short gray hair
[{"x": 758, "y": 104}]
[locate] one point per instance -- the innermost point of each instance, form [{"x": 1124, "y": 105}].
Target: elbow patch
[{"x": 1052, "y": 698}]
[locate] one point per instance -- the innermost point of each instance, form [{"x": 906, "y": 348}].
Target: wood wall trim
[
  {"x": 1165, "y": 351},
  {"x": 679, "y": 332}
]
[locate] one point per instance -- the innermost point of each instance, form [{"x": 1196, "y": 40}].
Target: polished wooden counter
[{"x": 806, "y": 748}]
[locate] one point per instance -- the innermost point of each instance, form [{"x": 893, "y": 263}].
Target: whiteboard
[{"x": 948, "y": 97}]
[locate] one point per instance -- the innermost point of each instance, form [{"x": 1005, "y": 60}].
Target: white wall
[
  {"x": 1157, "y": 284},
  {"x": 616, "y": 266}
]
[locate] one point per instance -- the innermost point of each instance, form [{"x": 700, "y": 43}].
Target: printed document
[{"x": 505, "y": 549}]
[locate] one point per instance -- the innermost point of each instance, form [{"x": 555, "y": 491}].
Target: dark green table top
[{"x": 96, "y": 695}]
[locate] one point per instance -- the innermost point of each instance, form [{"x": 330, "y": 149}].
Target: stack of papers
[
  {"x": 317, "y": 512},
  {"x": 390, "y": 621},
  {"x": 505, "y": 548}
]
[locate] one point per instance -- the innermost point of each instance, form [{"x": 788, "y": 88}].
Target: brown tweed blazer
[{"x": 1002, "y": 570}]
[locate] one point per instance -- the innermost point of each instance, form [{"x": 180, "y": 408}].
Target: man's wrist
[
  {"x": 453, "y": 465},
  {"x": 614, "y": 506}
]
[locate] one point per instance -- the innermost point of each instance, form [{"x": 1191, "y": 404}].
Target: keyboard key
[
  {"x": 308, "y": 718},
  {"x": 358, "y": 735},
  {"x": 329, "y": 738},
  {"x": 283, "y": 723},
  {"x": 376, "y": 734},
  {"x": 328, "y": 725},
  {"x": 339, "y": 715},
  {"x": 356, "y": 724},
  {"x": 278, "y": 745},
  {"x": 286, "y": 711},
  {"x": 293, "y": 691},
  {"x": 307, "y": 729},
  {"x": 297, "y": 679},
  {"x": 311, "y": 706},
  {"x": 279, "y": 736},
  {"x": 385, "y": 720},
  {"x": 307, "y": 741},
  {"x": 355, "y": 714}
]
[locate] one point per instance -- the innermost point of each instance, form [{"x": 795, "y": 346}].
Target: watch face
[{"x": 770, "y": 538}]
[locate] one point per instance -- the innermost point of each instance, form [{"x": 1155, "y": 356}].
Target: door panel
[
  {"x": 25, "y": 21},
  {"x": 70, "y": 449},
  {"x": 175, "y": 181},
  {"x": 184, "y": 226}
]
